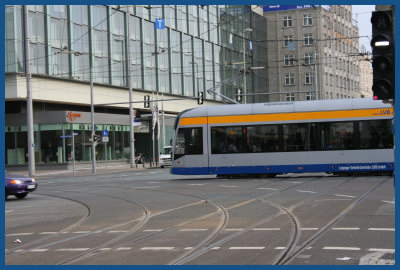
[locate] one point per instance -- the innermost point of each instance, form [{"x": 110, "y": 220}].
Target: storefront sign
[{"x": 72, "y": 116}]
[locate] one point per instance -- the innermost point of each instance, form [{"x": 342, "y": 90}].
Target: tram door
[{"x": 190, "y": 153}]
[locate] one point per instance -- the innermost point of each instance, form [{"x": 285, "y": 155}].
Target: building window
[
  {"x": 308, "y": 78},
  {"x": 288, "y": 39},
  {"x": 307, "y": 20},
  {"x": 289, "y": 79},
  {"x": 287, "y": 21},
  {"x": 309, "y": 96},
  {"x": 308, "y": 58},
  {"x": 308, "y": 40},
  {"x": 288, "y": 60},
  {"x": 290, "y": 97}
]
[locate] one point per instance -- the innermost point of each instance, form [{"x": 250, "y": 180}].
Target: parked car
[
  {"x": 18, "y": 185},
  {"x": 165, "y": 157}
]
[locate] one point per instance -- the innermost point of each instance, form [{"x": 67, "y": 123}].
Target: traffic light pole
[{"x": 92, "y": 120}]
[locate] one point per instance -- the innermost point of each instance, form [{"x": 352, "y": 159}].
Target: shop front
[{"x": 51, "y": 145}]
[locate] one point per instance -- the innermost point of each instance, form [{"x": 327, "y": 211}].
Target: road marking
[
  {"x": 309, "y": 229},
  {"x": 280, "y": 248},
  {"x": 268, "y": 188},
  {"x": 148, "y": 187},
  {"x": 306, "y": 191},
  {"x": 382, "y": 229},
  {"x": 233, "y": 229},
  {"x": 116, "y": 231},
  {"x": 123, "y": 248},
  {"x": 341, "y": 195},
  {"x": 188, "y": 247},
  {"x": 246, "y": 247},
  {"x": 8, "y": 211},
  {"x": 195, "y": 184},
  {"x": 156, "y": 248},
  {"x": 346, "y": 229},
  {"x": 18, "y": 234},
  {"x": 266, "y": 229},
  {"x": 192, "y": 230},
  {"x": 297, "y": 182},
  {"x": 154, "y": 182},
  {"x": 382, "y": 250},
  {"x": 389, "y": 201},
  {"x": 39, "y": 250},
  {"x": 341, "y": 248},
  {"x": 227, "y": 186},
  {"x": 104, "y": 249},
  {"x": 48, "y": 233},
  {"x": 82, "y": 232},
  {"x": 152, "y": 230},
  {"x": 72, "y": 249}
]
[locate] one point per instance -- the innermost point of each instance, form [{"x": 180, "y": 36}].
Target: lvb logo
[{"x": 71, "y": 116}]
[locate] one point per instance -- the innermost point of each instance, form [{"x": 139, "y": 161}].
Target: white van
[{"x": 165, "y": 157}]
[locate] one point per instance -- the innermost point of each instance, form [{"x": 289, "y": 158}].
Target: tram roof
[{"x": 287, "y": 107}]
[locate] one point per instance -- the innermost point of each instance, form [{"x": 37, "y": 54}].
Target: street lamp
[{"x": 244, "y": 65}]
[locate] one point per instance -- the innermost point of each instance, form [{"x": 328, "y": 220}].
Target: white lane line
[
  {"x": 19, "y": 234},
  {"x": 116, "y": 231},
  {"x": 123, "y": 248},
  {"x": 268, "y": 188},
  {"x": 157, "y": 248},
  {"x": 381, "y": 250},
  {"x": 188, "y": 248},
  {"x": 341, "y": 195},
  {"x": 82, "y": 232},
  {"x": 297, "y": 182},
  {"x": 341, "y": 248},
  {"x": 195, "y": 184},
  {"x": 153, "y": 230},
  {"x": 48, "y": 233},
  {"x": 8, "y": 211},
  {"x": 149, "y": 187},
  {"x": 382, "y": 229},
  {"x": 104, "y": 249},
  {"x": 192, "y": 230},
  {"x": 39, "y": 250},
  {"x": 309, "y": 229},
  {"x": 246, "y": 247},
  {"x": 266, "y": 229},
  {"x": 346, "y": 229},
  {"x": 233, "y": 229},
  {"x": 280, "y": 248},
  {"x": 389, "y": 201},
  {"x": 305, "y": 191},
  {"x": 72, "y": 249},
  {"x": 227, "y": 186}
]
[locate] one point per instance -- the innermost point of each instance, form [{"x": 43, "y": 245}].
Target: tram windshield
[{"x": 189, "y": 141}]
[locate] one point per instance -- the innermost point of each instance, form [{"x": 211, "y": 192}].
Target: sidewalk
[{"x": 83, "y": 171}]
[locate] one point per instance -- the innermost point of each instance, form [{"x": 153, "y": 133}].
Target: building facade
[
  {"x": 169, "y": 51},
  {"x": 366, "y": 77},
  {"x": 312, "y": 52}
]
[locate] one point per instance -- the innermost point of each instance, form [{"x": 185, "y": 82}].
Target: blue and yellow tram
[{"x": 348, "y": 135}]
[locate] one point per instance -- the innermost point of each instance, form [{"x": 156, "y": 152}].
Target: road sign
[
  {"x": 105, "y": 133},
  {"x": 105, "y": 139},
  {"x": 160, "y": 23}
]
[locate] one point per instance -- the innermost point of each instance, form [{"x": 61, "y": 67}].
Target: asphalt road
[{"x": 149, "y": 217}]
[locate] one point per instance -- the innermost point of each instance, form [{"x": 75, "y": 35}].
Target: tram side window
[
  {"x": 337, "y": 136},
  {"x": 299, "y": 137},
  {"x": 262, "y": 138},
  {"x": 226, "y": 140},
  {"x": 189, "y": 141},
  {"x": 376, "y": 134}
]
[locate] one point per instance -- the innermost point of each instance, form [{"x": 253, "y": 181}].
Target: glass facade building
[{"x": 199, "y": 47}]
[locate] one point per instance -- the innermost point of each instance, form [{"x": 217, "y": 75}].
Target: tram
[{"x": 332, "y": 136}]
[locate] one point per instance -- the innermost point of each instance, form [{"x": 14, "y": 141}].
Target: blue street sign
[
  {"x": 160, "y": 23},
  {"x": 66, "y": 136},
  {"x": 105, "y": 133}
]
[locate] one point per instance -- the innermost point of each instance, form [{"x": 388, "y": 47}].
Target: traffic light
[
  {"x": 95, "y": 139},
  {"x": 147, "y": 101},
  {"x": 382, "y": 44},
  {"x": 238, "y": 95},
  {"x": 200, "y": 98}
]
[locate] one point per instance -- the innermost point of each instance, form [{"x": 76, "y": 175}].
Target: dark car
[{"x": 19, "y": 185}]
